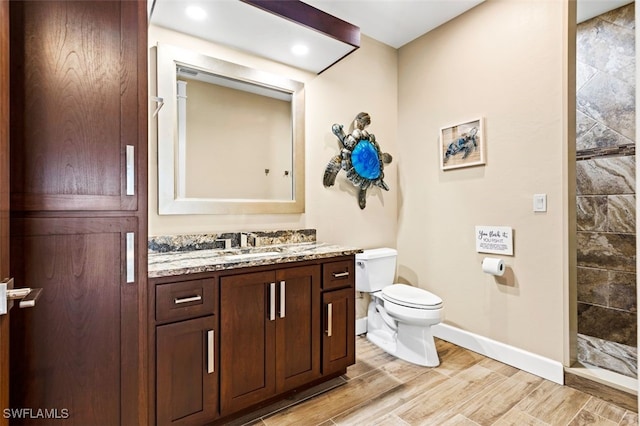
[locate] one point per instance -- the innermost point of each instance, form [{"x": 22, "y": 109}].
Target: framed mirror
[{"x": 230, "y": 138}]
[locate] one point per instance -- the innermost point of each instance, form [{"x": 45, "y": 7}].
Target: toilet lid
[{"x": 412, "y": 297}]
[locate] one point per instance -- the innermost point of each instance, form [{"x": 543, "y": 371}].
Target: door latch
[{"x": 26, "y": 295}]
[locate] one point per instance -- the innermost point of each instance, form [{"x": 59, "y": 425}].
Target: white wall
[
  {"x": 364, "y": 81},
  {"x": 509, "y": 62}
]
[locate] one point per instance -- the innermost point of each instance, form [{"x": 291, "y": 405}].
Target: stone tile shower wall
[{"x": 606, "y": 182}]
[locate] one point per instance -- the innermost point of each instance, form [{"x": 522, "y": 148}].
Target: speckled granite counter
[{"x": 190, "y": 262}]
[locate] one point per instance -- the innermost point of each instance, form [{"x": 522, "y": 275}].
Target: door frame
[{"x": 4, "y": 200}]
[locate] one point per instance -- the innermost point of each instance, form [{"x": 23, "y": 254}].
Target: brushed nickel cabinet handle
[
  {"x": 130, "y": 170},
  {"x": 272, "y": 301},
  {"x": 340, "y": 274},
  {"x": 329, "y": 319},
  {"x": 196, "y": 298},
  {"x": 210, "y": 352},
  {"x": 283, "y": 300},
  {"x": 131, "y": 257}
]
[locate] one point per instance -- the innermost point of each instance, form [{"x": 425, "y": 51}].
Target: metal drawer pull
[
  {"x": 210, "y": 352},
  {"x": 340, "y": 274},
  {"x": 187, "y": 299},
  {"x": 272, "y": 301},
  {"x": 329, "y": 319},
  {"x": 283, "y": 300}
]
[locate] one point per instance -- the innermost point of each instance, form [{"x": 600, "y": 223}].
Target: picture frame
[{"x": 462, "y": 144}]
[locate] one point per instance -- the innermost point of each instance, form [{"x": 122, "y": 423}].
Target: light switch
[{"x": 539, "y": 202}]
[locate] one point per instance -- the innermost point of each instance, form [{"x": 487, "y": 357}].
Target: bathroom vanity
[{"x": 235, "y": 329}]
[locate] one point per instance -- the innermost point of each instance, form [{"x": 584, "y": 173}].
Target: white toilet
[{"x": 400, "y": 317}]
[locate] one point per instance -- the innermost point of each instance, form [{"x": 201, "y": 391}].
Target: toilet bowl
[{"x": 399, "y": 316}]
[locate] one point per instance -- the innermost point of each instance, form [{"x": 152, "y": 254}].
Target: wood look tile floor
[{"x": 466, "y": 389}]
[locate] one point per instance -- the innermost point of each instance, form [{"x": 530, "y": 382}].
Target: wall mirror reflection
[{"x": 230, "y": 138}]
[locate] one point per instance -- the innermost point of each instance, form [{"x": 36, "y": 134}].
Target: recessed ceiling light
[
  {"x": 300, "y": 49},
  {"x": 196, "y": 13}
]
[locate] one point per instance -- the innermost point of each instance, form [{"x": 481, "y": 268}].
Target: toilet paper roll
[{"x": 493, "y": 266}]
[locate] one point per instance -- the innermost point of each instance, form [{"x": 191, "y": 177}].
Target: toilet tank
[{"x": 375, "y": 269}]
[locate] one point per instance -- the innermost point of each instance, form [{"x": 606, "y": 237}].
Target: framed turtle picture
[{"x": 462, "y": 145}]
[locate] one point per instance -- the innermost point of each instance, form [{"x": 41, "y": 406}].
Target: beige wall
[
  {"x": 364, "y": 81},
  {"x": 508, "y": 62}
]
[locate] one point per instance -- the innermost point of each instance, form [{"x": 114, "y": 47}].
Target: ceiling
[
  {"x": 393, "y": 22},
  {"x": 397, "y": 22}
]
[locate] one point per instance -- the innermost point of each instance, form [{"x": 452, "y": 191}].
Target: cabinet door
[
  {"x": 79, "y": 348},
  {"x": 298, "y": 327},
  {"x": 186, "y": 374},
  {"x": 75, "y": 122},
  {"x": 247, "y": 339},
  {"x": 338, "y": 344}
]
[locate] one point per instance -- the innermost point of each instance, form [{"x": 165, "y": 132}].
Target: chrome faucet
[{"x": 226, "y": 241}]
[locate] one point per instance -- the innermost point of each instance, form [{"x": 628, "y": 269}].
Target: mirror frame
[{"x": 170, "y": 202}]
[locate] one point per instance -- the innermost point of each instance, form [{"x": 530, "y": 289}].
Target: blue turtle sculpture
[{"x": 360, "y": 156}]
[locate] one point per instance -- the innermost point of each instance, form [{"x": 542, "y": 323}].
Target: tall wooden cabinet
[{"x": 79, "y": 208}]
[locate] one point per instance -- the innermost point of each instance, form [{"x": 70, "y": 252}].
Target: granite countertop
[{"x": 190, "y": 262}]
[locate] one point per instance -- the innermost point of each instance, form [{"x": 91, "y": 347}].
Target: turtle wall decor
[{"x": 360, "y": 156}]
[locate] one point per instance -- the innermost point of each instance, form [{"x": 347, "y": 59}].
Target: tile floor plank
[
  {"x": 330, "y": 404},
  {"x": 493, "y": 402},
  {"x": 630, "y": 419},
  {"x": 605, "y": 409},
  {"x": 369, "y": 411},
  {"x": 440, "y": 399},
  {"x": 515, "y": 417},
  {"x": 553, "y": 403},
  {"x": 585, "y": 417}
]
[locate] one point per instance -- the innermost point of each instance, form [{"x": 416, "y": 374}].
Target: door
[
  {"x": 4, "y": 199},
  {"x": 297, "y": 327},
  {"x": 74, "y": 104},
  {"x": 77, "y": 352},
  {"x": 338, "y": 345},
  {"x": 247, "y": 343},
  {"x": 185, "y": 372}
]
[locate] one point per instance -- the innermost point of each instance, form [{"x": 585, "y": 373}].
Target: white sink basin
[{"x": 248, "y": 256}]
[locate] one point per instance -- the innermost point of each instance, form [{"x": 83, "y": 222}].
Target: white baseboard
[
  {"x": 361, "y": 326},
  {"x": 526, "y": 361}
]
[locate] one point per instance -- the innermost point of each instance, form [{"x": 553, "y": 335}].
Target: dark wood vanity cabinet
[
  {"x": 338, "y": 316},
  {"x": 186, "y": 352},
  {"x": 270, "y": 325}
]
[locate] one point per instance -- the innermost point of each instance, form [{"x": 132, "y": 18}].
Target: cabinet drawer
[
  {"x": 184, "y": 300},
  {"x": 338, "y": 274}
]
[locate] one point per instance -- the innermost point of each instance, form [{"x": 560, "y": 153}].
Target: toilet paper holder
[{"x": 493, "y": 266}]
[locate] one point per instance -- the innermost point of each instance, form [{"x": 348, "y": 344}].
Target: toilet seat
[{"x": 411, "y": 297}]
